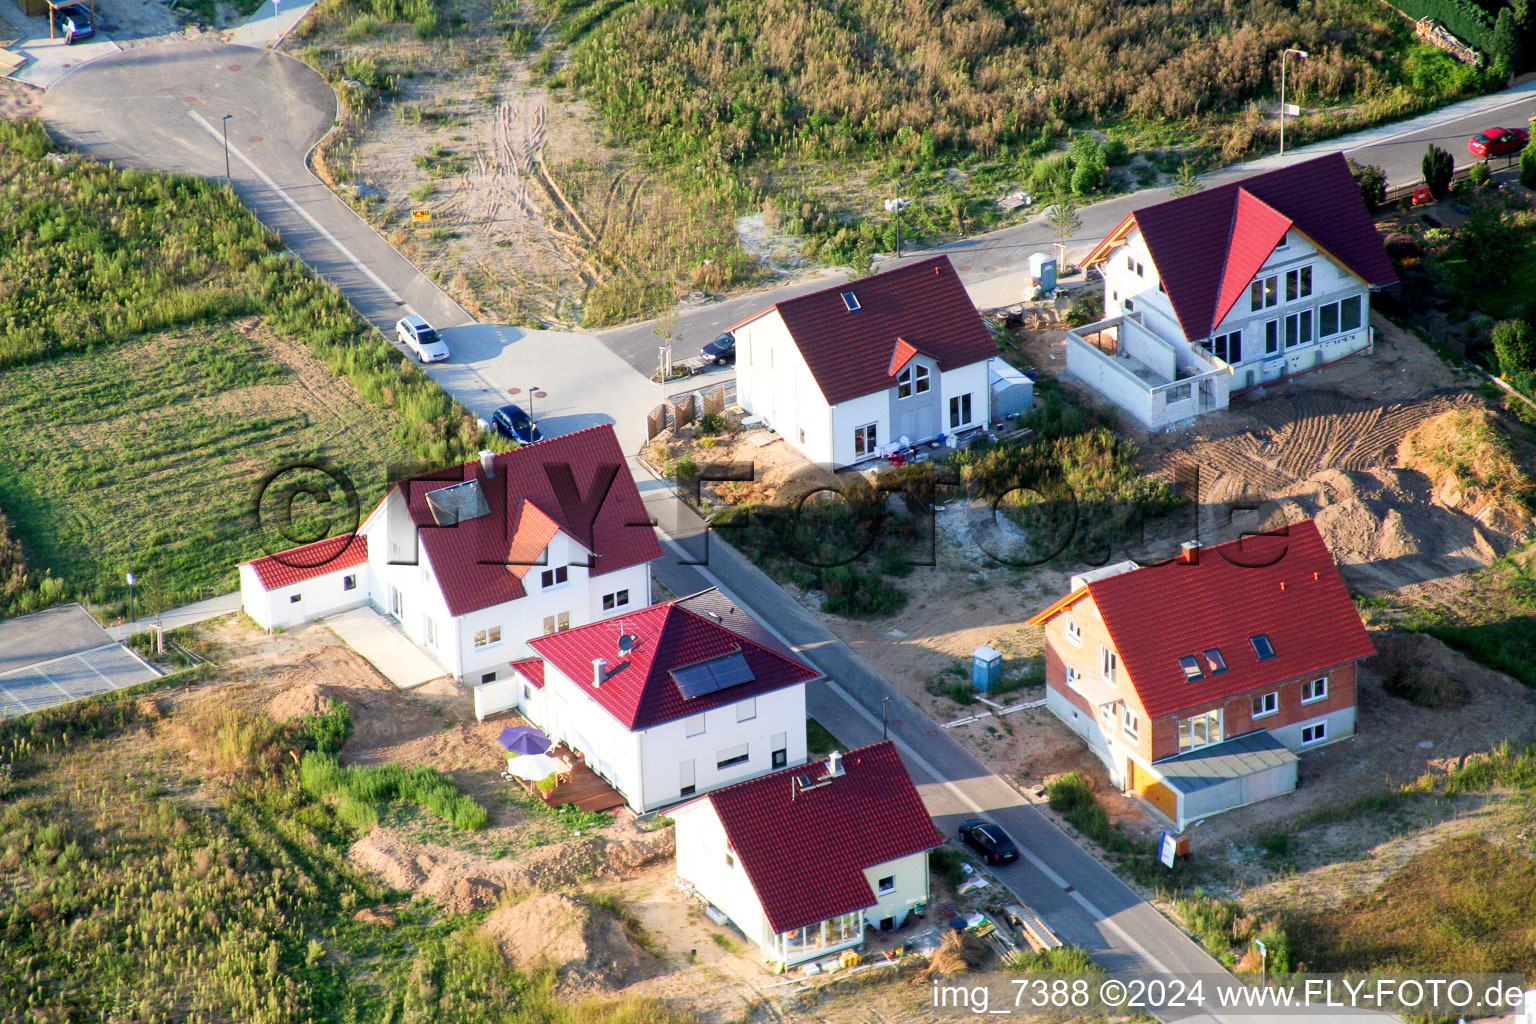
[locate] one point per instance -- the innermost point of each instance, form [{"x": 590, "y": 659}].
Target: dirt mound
[
  {"x": 1420, "y": 669},
  {"x": 462, "y": 882},
  {"x": 1470, "y": 461},
  {"x": 1387, "y": 529},
  {"x": 300, "y": 701},
  {"x": 589, "y": 947}
]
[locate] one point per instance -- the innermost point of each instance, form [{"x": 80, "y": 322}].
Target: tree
[
  {"x": 1504, "y": 46},
  {"x": 1064, "y": 220},
  {"x": 1186, "y": 182},
  {"x": 1438, "y": 167},
  {"x": 1089, "y": 165},
  {"x": 1528, "y": 162},
  {"x": 1515, "y": 344},
  {"x": 1373, "y": 183}
]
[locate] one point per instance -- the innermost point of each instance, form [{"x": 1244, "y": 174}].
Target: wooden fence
[{"x": 681, "y": 410}]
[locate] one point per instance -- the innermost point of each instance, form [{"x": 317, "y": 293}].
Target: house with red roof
[
  {"x": 1198, "y": 680},
  {"x": 1230, "y": 288},
  {"x": 669, "y": 701},
  {"x": 844, "y": 373},
  {"x": 803, "y": 861},
  {"x": 471, "y": 561}
]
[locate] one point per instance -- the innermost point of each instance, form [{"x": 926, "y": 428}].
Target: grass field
[
  {"x": 145, "y": 884},
  {"x": 159, "y": 442}
]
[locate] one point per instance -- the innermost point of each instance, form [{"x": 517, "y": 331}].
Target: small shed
[
  {"x": 1240, "y": 771},
  {"x": 1013, "y": 392}
]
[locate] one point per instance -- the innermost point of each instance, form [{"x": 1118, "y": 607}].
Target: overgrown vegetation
[
  {"x": 136, "y": 893},
  {"x": 1224, "y": 929},
  {"x": 98, "y": 255},
  {"x": 1495, "y": 622},
  {"x": 357, "y": 791},
  {"x": 1071, "y": 796}
]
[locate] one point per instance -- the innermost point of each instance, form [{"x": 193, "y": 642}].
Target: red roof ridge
[
  {"x": 901, "y": 355},
  {"x": 534, "y": 530},
  {"x": 1261, "y": 229}
]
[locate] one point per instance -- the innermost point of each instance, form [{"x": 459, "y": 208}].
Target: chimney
[
  {"x": 488, "y": 462},
  {"x": 599, "y": 666},
  {"x": 1189, "y": 552},
  {"x": 834, "y": 767}
]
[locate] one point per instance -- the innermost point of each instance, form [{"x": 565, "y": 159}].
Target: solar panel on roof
[{"x": 715, "y": 674}]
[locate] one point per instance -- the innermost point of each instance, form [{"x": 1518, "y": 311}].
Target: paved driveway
[
  {"x": 380, "y": 641},
  {"x": 49, "y": 60}
]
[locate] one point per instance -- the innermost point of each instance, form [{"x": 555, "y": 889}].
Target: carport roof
[{"x": 1211, "y": 766}]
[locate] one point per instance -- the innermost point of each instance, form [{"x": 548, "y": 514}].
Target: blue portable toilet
[
  {"x": 1042, "y": 267},
  {"x": 986, "y": 668}
]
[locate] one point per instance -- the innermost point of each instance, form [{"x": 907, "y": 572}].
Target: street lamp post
[
  {"x": 1301, "y": 55},
  {"x": 885, "y": 707},
  {"x": 226, "y": 144}
]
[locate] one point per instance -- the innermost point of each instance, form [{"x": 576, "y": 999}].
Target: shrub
[
  {"x": 425, "y": 26},
  {"x": 859, "y": 593},
  {"x": 1438, "y": 167},
  {"x": 945, "y": 863},
  {"x": 1372, "y": 181},
  {"x": 1528, "y": 164},
  {"x": 1514, "y": 344},
  {"x": 1479, "y": 174}
]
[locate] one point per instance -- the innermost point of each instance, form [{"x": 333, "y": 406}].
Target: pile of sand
[
  {"x": 300, "y": 701},
  {"x": 589, "y": 948},
  {"x": 463, "y": 882},
  {"x": 1386, "y": 528}
]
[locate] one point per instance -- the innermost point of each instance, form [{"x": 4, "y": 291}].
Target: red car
[{"x": 1498, "y": 142}]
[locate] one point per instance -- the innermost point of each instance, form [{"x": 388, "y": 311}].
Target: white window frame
[
  {"x": 1298, "y": 283},
  {"x": 1270, "y": 702},
  {"x": 1300, "y": 326},
  {"x": 1109, "y": 661},
  {"x": 693, "y": 725},
  {"x": 431, "y": 631},
  {"x": 730, "y": 757},
  {"x": 1264, "y": 293},
  {"x": 1129, "y": 723},
  {"x": 1074, "y": 632},
  {"x": 557, "y": 623},
  {"x": 1319, "y": 731},
  {"x": 866, "y": 440},
  {"x": 1072, "y": 676},
  {"x": 1221, "y": 346},
  {"x": 914, "y": 379},
  {"x": 887, "y": 884},
  {"x": 295, "y": 598},
  {"x": 617, "y": 599},
  {"x": 960, "y": 404},
  {"x": 746, "y": 710},
  {"x": 490, "y": 636},
  {"x": 1272, "y": 334},
  {"x": 558, "y": 576},
  {"x": 349, "y": 581},
  {"x": 1207, "y": 718},
  {"x": 1312, "y": 685}
]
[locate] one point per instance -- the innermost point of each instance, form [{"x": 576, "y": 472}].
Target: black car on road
[
  {"x": 512, "y": 423},
  {"x": 989, "y": 840},
  {"x": 722, "y": 350}
]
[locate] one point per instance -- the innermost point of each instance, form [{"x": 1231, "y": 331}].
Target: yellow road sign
[{"x": 421, "y": 215}]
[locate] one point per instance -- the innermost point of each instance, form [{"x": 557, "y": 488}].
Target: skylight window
[
  {"x": 1218, "y": 663},
  {"x": 1262, "y": 647},
  {"x": 1191, "y": 667},
  {"x": 851, "y": 301}
]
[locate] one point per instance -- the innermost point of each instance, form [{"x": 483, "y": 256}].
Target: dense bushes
[
  {"x": 90, "y": 255},
  {"x": 1438, "y": 167},
  {"x": 1464, "y": 19}
]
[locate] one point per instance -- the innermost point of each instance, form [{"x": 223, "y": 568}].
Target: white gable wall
[
  {"x": 701, "y": 849},
  {"x": 1124, "y": 291},
  {"x": 317, "y": 596},
  {"x": 773, "y": 381},
  {"x": 568, "y": 715},
  {"x": 778, "y": 718},
  {"x": 910, "y": 874}
]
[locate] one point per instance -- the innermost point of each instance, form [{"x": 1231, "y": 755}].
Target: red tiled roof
[
  {"x": 805, "y": 852},
  {"x": 849, "y": 352},
  {"x": 307, "y": 561},
  {"x": 1282, "y": 584},
  {"x": 531, "y": 535},
  {"x": 900, "y": 356},
  {"x": 638, "y": 689},
  {"x": 580, "y": 481},
  {"x": 1207, "y": 246},
  {"x": 532, "y": 669}
]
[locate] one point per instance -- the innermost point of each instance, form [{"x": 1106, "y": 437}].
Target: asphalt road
[{"x": 994, "y": 265}]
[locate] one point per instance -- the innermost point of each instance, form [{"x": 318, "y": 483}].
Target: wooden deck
[{"x": 585, "y": 790}]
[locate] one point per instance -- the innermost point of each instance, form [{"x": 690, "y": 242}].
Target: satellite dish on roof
[{"x": 627, "y": 642}]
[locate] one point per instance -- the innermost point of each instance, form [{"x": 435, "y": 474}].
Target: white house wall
[
  {"x": 568, "y": 715},
  {"x": 911, "y": 876},
  {"x": 1331, "y": 282},
  {"x": 1114, "y": 382},
  {"x": 666, "y": 747},
  {"x": 701, "y": 849},
  {"x": 963, "y": 380},
  {"x": 773, "y": 381},
  {"x": 318, "y": 596},
  {"x": 849, "y": 416}
]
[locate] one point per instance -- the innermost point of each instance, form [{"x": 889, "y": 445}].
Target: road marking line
[
  {"x": 933, "y": 773},
  {"x": 296, "y": 208}
]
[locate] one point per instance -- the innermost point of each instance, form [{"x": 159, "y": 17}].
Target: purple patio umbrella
[{"x": 524, "y": 739}]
